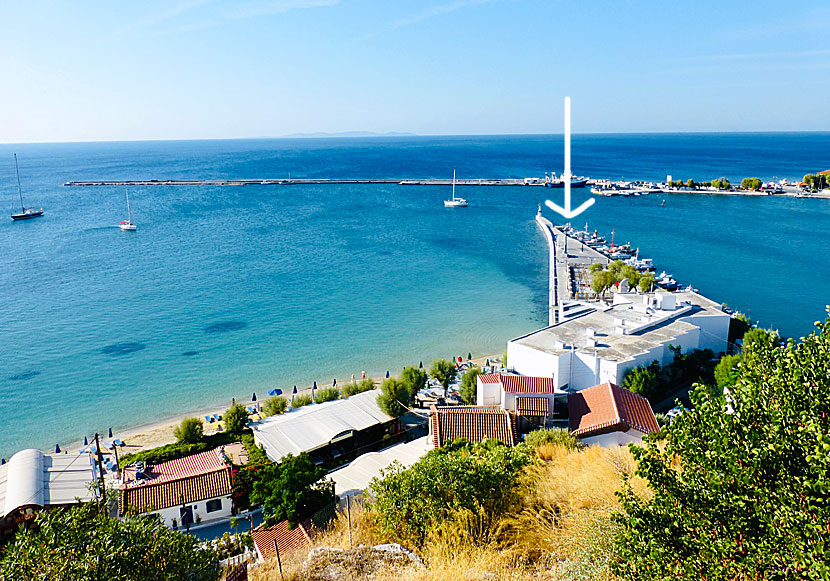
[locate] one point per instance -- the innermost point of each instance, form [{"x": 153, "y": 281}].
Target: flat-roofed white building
[{"x": 601, "y": 342}]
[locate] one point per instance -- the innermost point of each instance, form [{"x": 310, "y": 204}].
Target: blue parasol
[{"x": 275, "y": 391}]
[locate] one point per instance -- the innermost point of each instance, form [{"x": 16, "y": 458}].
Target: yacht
[
  {"x": 455, "y": 202},
  {"x": 128, "y": 223},
  {"x": 25, "y": 213}
]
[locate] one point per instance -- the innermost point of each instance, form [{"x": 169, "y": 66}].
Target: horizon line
[{"x": 403, "y": 135}]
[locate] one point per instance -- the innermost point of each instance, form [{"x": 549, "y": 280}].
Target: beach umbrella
[
  {"x": 364, "y": 375},
  {"x": 233, "y": 401},
  {"x": 421, "y": 365},
  {"x": 110, "y": 432},
  {"x": 334, "y": 383},
  {"x": 387, "y": 374},
  {"x": 57, "y": 449},
  {"x": 253, "y": 397},
  {"x": 2, "y": 461},
  {"x": 460, "y": 359},
  {"x": 295, "y": 390},
  {"x": 352, "y": 377},
  {"x": 86, "y": 441},
  {"x": 469, "y": 356},
  {"x": 275, "y": 391},
  {"x": 487, "y": 363}
]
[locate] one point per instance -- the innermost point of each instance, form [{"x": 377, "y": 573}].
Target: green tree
[
  {"x": 327, "y": 394},
  {"x": 414, "y": 378},
  {"x": 716, "y": 184},
  {"x": 644, "y": 381},
  {"x": 810, "y": 180},
  {"x": 190, "y": 431},
  {"x": 739, "y": 486},
  {"x": 351, "y": 389},
  {"x": 444, "y": 372},
  {"x": 631, "y": 274},
  {"x": 79, "y": 544},
  {"x": 646, "y": 283},
  {"x": 394, "y": 397},
  {"x": 236, "y": 418},
  {"x": 601, "y": 281},
  {"x": 751, "y": 184},
  {"x": 726, "y": 371},
  {"x": 477, "y": 478},
  {"x": 690, "y": 183},
  {"x": 596, "y": 267},
  {"x": 275, "y": 405},
  {"x": 469, "y": 385},
  {"x": 292, "y": 490},
  {"x": 757, "y": 337}
]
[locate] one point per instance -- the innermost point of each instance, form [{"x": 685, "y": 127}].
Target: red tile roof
[
  {"x": 287, "y": 539},
  {"x": 473, "y": 423},
  {"x": 520, "y": 383},
  {"x": 181, "y": 481},
  {"x": 608, "y": 408},
  {"x": 533, "y": 407}
]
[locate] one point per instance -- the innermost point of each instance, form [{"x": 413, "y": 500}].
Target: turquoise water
[{"x": 224, "y": 291}]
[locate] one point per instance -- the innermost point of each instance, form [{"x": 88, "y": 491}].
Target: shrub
[
  {"x": 300, "y": 400},
  {"x": 292, "y": 490},
  {"x": 80, "y": 543},
  {"x": 189, "y": 431},
  {"x": 555, "y": 436},
  {"x": 327, "y": 394},
  {"x": 236, "y": 418},
  {"x": 460, "y": 477},
  {"x": 351, "y": 389},
  {"x": 275, "y": 405},
  {"x": 644, "y": 381},
  {"x": 394, "y": 397},
  {"x": 726, "y": 371}
]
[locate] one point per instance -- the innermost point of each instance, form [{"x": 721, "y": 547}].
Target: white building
[
  {"x": 602, "y": 342},
  {"x": 182, "y": 491},
  {"x": 32, "y": 480}
]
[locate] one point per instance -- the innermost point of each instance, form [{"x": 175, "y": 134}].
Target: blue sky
[{"x": 103, "y": 70}]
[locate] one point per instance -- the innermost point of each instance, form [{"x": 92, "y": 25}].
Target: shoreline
[{"x": 152, "y": 434}]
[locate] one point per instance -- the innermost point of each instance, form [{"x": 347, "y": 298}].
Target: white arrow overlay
[{"x": 566, "y": 210}]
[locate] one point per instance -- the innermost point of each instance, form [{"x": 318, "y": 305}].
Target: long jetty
[
  {"x": 569, "y": 263},
  {"x": 306, "y": 181}
]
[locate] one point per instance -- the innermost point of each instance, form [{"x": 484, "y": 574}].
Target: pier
[
  {"x": 307, "y": 181},
  {"x": 570, "y": 260}
]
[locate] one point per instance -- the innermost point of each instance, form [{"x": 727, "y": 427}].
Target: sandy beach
[{"x": 159, "y": 433}]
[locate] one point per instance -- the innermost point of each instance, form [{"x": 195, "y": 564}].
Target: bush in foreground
[
  {"x": 300, "y": 400},
  {"x": 351, "y": 389},
  {"x": 554, "y": 436},
  {"x": 79, "y": 544},
  {"x": 236, "y": 418},
  {"x": 327, "y": 394},
  {"x": 740, "y": 483},
  {"x": 190, "y": 431}
]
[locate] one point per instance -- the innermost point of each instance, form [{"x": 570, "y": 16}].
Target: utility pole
[
  {"x": 101, "y": 474},
  {"x": 279, "y": 562}
]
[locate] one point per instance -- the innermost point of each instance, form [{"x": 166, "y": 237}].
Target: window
[{"x": 214, "y": 505}]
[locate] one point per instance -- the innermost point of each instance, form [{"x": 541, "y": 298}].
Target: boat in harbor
[
  {"x": 128, "y": 223},
  {"x": 554, "y": 182},
  {"x": 25, "y": 213},
  {"x": 455, "y": 202}
]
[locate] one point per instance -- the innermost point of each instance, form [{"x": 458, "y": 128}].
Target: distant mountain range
[{"x": 351, "y": 134}]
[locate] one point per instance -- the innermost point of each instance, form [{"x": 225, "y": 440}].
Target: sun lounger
[
  {"x": 217, "y": 417},
  {"x": 118, "y": 442},
  {"x": 209, "y": 419}
]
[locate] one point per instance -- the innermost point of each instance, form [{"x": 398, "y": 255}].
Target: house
[
  {"x": 530, "y": 398},
  {"x": 473, "y": 423},
  {"x": 182, "y": 491},
  {"x": 331, "y": 429},
  {"x": 600, "y": 343},
  {"x": 609, "y": 415},
  {"x": 32, "y": 480},
  {"x": 287, "y": 539}
]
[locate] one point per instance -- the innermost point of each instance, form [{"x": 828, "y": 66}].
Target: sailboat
[
  {"x": 25, "y": 213},
  {"x": 455, "y": 202},
  {"x": 128, "y": 223}
]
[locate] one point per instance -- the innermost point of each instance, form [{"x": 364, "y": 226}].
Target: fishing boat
[
  {"x": 554, "y": 182},
  {"x": 128, "y": 223},
  {"x": 25, "y": 213},
  {"x": 455, "y": 202}
]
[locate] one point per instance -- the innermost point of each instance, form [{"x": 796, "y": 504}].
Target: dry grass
[{"x": 559, "y": 528}]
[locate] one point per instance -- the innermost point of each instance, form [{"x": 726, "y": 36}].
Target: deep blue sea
[{"x": 225, "y": 291}]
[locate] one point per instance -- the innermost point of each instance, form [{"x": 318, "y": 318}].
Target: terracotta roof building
[
  {"x": 473, "y": 423},
  {"x": 287, "y": 539},
  {"x": 183, "y": 490},
  {"x": 610, "y": 415},
  {"x": 528, "y": 397}
]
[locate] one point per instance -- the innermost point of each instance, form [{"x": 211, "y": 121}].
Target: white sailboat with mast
[
  {"x": 128, "y": 223},
  {"x": 455, "y": 202},
  {"x": 25, "y": 213}
]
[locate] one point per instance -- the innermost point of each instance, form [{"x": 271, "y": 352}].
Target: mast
[
  {"x": 129, "y": 215},
  {"x": 453, "y": 185},
  {"x": 19, "y": 191}
]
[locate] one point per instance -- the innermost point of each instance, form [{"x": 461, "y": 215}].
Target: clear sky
[{"x": 178, "y": 69}]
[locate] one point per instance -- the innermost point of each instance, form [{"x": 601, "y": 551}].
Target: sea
[{"x": 226, "y": 292}]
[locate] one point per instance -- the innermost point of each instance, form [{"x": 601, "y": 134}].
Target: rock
[{"x": 332, "y": 564}]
